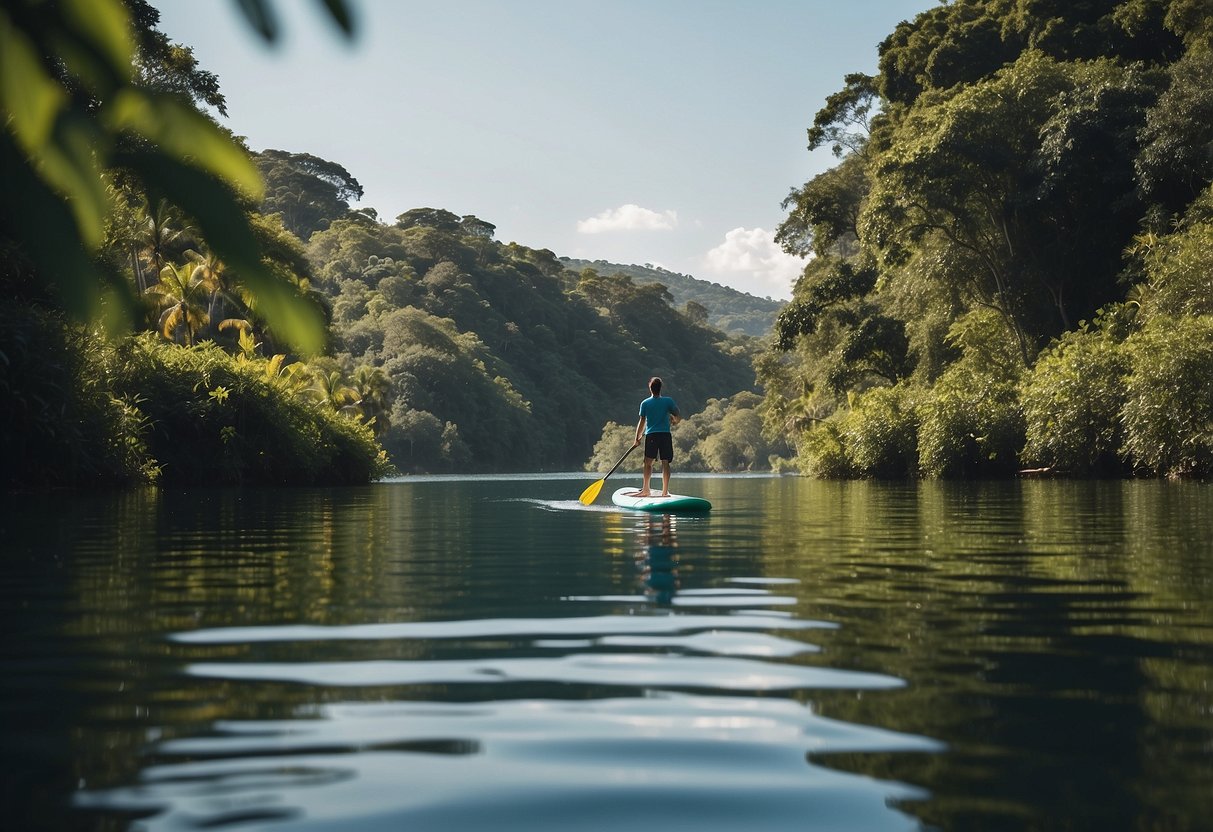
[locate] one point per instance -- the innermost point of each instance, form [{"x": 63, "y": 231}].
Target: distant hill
[
  {"x": 729, "y": 310},
  {"x": 497, "y": 357}
]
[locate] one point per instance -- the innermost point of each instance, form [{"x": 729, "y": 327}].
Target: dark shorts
[{"x": 659, "y": 444}]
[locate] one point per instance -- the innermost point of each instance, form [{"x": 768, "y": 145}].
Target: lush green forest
[
  {"x": 185, "y": 310},
  {"x": 722, "y": 307},
  {"x": 1012, "y": 260},
  {"x": 1008, "y": 267}
]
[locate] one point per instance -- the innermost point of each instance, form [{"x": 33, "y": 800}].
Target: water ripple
[
  {"x": 610, "y": 669},
  {"x": 494, "y": 627},
  {"x": 667, "y": 761}
]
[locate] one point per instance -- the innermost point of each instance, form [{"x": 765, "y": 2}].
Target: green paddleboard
[{"x": 627, "y": 498}]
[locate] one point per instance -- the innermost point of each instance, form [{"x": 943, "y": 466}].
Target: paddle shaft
[{"x": 620, "y": 462}]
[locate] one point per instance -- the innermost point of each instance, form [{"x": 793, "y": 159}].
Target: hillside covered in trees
[
  {"x": 722, "y": 307},
  {"x": 184, "y": 310},
  {"x": 495, "y": 356},
  {"x": 1013, "y": 257},
  {"x": 1009, "y": 267}
]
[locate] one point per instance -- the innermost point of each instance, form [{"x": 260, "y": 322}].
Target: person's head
[{"x": 655, "y": 386}]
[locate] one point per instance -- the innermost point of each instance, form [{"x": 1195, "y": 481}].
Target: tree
[
  {"x": 373, "y": 388},
  {"x": 1176, "y": 158},
  {"x": 330, "y": 388},
  {"x": 845, "y": 122},
  {"x": 160, "y": 232},
  {"x": 696, "y": 313},
  {"x": 823, "y": 214},
  {"x": 170, "y": 67},
  {"x": 475, "y": 227},
  {"x": 436, "y": 218},
  {"x": 997, "y": 171},
  {"x": 309, "y": 192},
  {"x": 184, "y": 294}
]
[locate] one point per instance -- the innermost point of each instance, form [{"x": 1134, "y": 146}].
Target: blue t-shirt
[{"x": 656, "y": 411}]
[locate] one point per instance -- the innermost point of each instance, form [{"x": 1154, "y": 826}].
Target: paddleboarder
[{"x": 657, "y": 414}]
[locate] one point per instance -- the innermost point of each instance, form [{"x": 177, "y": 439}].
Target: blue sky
[{"x": 663, "y": 132}]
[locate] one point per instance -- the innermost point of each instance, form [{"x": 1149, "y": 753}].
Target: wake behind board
[{"x": 627, "y": 498}]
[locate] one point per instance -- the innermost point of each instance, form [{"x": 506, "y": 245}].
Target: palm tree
[
  {"x": 329, "y": 387},
  {"x": 183, "y": 297},
  {"x": 373, "y": 387},
  {"x": 156, "y": 233},
  {"x": 211, "y": 270}
]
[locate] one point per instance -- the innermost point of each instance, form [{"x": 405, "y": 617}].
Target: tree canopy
[{"x": 1015, "y": 170}]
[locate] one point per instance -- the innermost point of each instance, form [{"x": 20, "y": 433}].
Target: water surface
[{"x": 455, "y": 654}]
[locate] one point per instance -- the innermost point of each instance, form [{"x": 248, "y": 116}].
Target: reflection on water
[
  {"x": 657, "y": 557},
  {"x": 491, "y": 655}
]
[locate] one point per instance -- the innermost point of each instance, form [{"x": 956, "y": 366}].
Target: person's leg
[
  {"x": 648, "y": 472},
  {"x": 665, "y": 478}
]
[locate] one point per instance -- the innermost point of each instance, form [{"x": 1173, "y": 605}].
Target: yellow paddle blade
[{"x": 590, "y": 494}]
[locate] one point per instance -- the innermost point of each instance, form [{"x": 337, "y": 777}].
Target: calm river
[{"x": 443, "y": 654}]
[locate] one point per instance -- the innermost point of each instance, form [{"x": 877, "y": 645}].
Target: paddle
[{"x": 590, "y": 494}]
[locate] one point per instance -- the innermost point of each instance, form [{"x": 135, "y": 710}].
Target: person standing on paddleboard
[{"x": 657, "y": 413}]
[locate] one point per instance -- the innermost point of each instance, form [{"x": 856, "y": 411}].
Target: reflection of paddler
[{"x": 657, "y": 558}]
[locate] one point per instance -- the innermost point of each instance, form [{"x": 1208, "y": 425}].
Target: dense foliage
[
  {"x": 125, "y": 204},
  {"x": 84, "y": 409},
  {"x": 442, "y": 346},
  {"x": 1011, "y": 258},
  {"x": 1010, "y": 266},
  {"x": 241, "y": 418}
]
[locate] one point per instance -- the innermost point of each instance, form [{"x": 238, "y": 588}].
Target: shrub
[
  {"x": 1180, "y": 265},
  {"x": 215, "y": 420},
  {"x": 1072, "y": 402},
  {"x": 823, "y": 453},
  {"x": 971, "y": 427},
  {"x": 880, "y": 433},
  {"x": 60, "y": 425},
  {"x": 971, "y": 420},
  {"x": 1168, "y": 412}
]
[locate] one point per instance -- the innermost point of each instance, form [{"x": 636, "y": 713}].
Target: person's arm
[
  {"x": 674, "y": 417},
  {"x": 639, "y": 431}
]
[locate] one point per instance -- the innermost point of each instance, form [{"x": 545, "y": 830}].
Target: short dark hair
[{"x": 655, "y": 385}]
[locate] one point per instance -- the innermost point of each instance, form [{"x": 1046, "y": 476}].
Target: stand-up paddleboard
[{"x": 627, "y": 498}]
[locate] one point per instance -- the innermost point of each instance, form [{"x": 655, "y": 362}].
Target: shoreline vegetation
[
  {"x": 1012, "y": 261},
  {"x": 1009, "y": 272}
]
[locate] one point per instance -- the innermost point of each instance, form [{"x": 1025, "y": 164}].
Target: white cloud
[
  {"x": 755, "y": 263},
  {"x": 629, "y": 218}
]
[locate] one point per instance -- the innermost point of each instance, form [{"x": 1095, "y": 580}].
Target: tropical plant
[
  {"x": 160, "y": 230},
  {"x": 330, "y": 389},
  {"x": 184, "y": 294},
  {"x": 212, "y": 418},
  {"x": 374, "y": 390}
]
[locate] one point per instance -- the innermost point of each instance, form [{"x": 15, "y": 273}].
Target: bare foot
[{"x": 644, "y": 493}]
